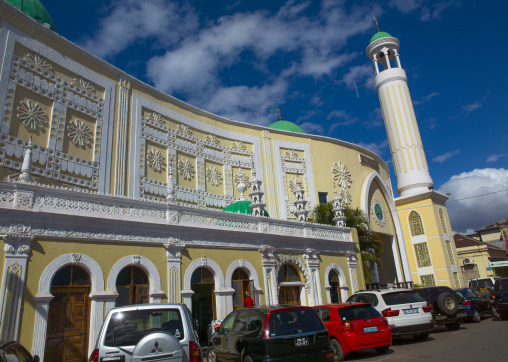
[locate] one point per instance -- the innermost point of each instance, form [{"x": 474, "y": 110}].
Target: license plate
[
  {"x": 411, "y": 311},
  {"x": 370, "y": 329},
  {"x": 302, "y": 341}
]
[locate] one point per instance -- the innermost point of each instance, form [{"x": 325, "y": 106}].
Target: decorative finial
[
  {"x": 377, "y": 26},
  {"x": 335, "y": 192},
  {"x": 280, "y": 117},
  {"x": 241, "y": 187}
]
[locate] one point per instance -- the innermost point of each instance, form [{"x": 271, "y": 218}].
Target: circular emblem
[{"x": 378, "y": 212}]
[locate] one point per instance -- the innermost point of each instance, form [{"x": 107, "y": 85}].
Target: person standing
[{"x": 248, "y": 301}]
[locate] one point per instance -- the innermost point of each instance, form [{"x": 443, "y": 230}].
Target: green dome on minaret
[
  {"x": 35, "y": 10},
  {"x": 286, "y": 125},
  {"x": 379, "y": 35}
]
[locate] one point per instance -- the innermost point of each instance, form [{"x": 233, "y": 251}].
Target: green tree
[{"x": 371, "y": 245}]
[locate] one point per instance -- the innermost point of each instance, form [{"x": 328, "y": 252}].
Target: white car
[{"x": 405, "y": 310}]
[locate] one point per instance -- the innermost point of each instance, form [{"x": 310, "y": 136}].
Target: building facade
[{"x": 112, "y": 193}]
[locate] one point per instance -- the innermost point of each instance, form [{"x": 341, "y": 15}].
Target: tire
[
  {"x": 476, "y": 316},
  {"x": 338, "y": 355},
  {"x": 453, "y": 326},
  {"x": 382, "y": 350},
  {"x": 248, "y": 359},
  {"x": 447, "y": 303},
  {"x": 503, "y": 315},
  {"x": 493, "y": 311},
  {"x": 211, "y": 355},
  {"x": 421, "y": 336}
]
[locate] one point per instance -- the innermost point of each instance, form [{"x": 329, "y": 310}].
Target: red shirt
[{"x": 248, "y": 302}]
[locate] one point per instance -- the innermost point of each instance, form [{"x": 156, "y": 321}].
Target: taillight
[
  {"x": 94, "y": 357},
  {"x": 428, "y": 309},
  {"x": 388, "y": 312},
  {"x": 194, "y": 352},
  {"x": 493, "y": 297},
  {"x": 266, "y": 329},
  {"x": 467, "y": 302},
  {"x": 346, "y": 326}
]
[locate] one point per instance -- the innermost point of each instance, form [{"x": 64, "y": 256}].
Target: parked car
[
  {"x": 477, "y": 304},
  {"x": 272, "y": 333},
  {"x": 355, "y": 326},
  {"x": 500, "y": 297},
  {"x": 448, "y": 307},
  {"x": 162, "y": 332},
  {"x": 405, "y": 310},
  {"x": 12, "y": 351},
  {"x": 483, "y": 285}
]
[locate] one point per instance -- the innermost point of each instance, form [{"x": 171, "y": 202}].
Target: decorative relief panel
[
  {"x": 294, "y": 183},
  {"x": 443, "y": 223},
  {"x": 422, "y": 255},
  {"x": 450, "y": 252},
  {"x": 185, "y": 129},
  {"x": 239, "y": 145},
  {"x": 342, "y": 177},
  {"x": 212, "y": 138},
  {"x": 428, "y": 280},
  {"x": 186, "y": 169},
  {"x": 55, "y": 111},
  {"x": 156, "y": 160},
  {"x": 416, "y": 223},
  {"x": 457, "y": 280},
  {"x": 378, "y": 212},
  {"x": 214, "y": 176}
]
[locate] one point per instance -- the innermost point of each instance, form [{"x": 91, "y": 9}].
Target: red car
[{"x": 355, "y": 326}]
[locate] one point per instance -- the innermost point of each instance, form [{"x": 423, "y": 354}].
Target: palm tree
[{"x": 371, "y": 245}]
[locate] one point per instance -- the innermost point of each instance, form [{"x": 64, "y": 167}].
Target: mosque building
[{"x": 114, "y": 193}]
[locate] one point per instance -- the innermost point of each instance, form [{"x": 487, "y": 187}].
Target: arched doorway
[
  {"x": 132, "y": 286},
  {"x": 203, "y": 301},
  {"x": 289, "y": 285},
  {"x": 68, "y": 316},
  {"x": 333, "y": 280},
  {"x": 241, "y": 283}
]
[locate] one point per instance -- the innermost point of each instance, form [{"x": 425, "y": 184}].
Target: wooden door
[
  {"x": 67, "y": 337},
  {"x": 289, "y": 295}
]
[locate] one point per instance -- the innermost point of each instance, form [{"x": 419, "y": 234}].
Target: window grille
[
  {"x": 443, "y": 223},
  {"x": 428, "y": 280},
  {"x": 422, "y": 255},
  {"x": 416, "y": 224}
]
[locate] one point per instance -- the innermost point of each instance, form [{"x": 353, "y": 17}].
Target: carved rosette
[
  {"x": 156, "y": 160},
  {"x": 213, "y": 139},
  {"x": 186, "y": 169},
  {"x": 80, "y": 82},
  {"x": 32, "y": 115},
  {"x": 185, "y": 129},
  {"x": 295, "y": 183},
  {"x": 79, "y": 133},
  {"x": 38, "y": 61},
  {"x": 242, "y": 177},
  {"x": 341, "y": 175},
  {"x": 154, "y": 116},
  {"x": 291, "y": 154},
  {"x": 345, "y": 195},
  {"x": 239, "y": 145},
  {"x": 214, "y": 176}
]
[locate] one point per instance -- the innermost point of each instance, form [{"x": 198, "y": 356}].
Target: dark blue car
[
  {"x": 477, "y": 304},
  {"x": 500, "y": 297}
]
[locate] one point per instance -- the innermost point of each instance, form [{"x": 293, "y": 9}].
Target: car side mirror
[{"x": 36, "y": 358}]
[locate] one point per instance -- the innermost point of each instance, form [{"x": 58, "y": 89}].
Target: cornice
[{"x": 435, "y": 196}]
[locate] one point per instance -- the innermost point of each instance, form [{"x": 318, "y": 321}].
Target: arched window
[
  {"x": 132, "y": 286},
  {"x": 443, "y": 223},
  {"x": 416, "y": 223},
  {"x": 289, "y": 285},
  {"x": 333, "y": 280},
  {"x": 288, "y": 273},
  {"x": 241, "y": 284}
]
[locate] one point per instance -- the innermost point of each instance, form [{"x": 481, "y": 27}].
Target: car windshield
[
  {"x": 294, "y": 321},
  {"x": 358, "y": 312},
  {"x": 402, "y": 298},
  {"x": 126, "y": 328},
  {"x": 482, "y": 283},
  {"x": 502, "y": 284}
]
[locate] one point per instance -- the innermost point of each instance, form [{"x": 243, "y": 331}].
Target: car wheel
[
  {"x": 211, "y": 355},
  {"x": 247, "y": 359},
  {"x": 447, "y": 303},
  {"x": 382, "y": 350},
  {"x": 337, "y": 350},
  {"x": 493, "y": 311},
  {"x": 476, "y": 316},
  {"x": 453, "y": 326},
  {"x": 504, "y": 315}
]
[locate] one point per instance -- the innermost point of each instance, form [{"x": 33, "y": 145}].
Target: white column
[
  {"x": 270, "y": 183},
  {"x": 316, "y": 296},
  {"x": 16, "y": 249},
  {"x": 121, "y": 145},
  {"x": 269, "y": 276},
  {"x": 174, "y": 256},
  {"x": 352, "y": 264}
]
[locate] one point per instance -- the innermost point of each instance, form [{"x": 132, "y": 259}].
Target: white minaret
[{"x": 406, "y": 145}]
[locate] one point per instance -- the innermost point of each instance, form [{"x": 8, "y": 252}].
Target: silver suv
[
  {"x": 405, "y": 310},
  {"x": 148, "y": 332}
]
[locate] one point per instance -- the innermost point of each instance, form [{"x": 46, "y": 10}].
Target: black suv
[
  {"x": 271, "y": 334},
  {"x": 500, "y": 297},
  {"x": 449, "y": 308}
]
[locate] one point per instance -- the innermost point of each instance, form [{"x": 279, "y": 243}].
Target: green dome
[
  {"x": 35, "y": 10},
  {"x": 379, "y": 35},
  {"x": 286, "y": 126},
  {"x": 241, "y": 207}
]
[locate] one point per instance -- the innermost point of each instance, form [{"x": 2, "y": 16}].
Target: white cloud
[
  {"x": 130, "y": 21},
  {"x": 377, "y": 148},
  {"x": 472, "y": 107},
  {"x": 446, "y": 156},
  {"x": 426, "y": 98},
  {"x": 494, "y": 157},
  {"x": 428, "y": 11},
  {"x": 406, "y": 6},
  {"x": 360, "y": 74},
  {"x": 471, "y": 212},
  {"x": 313, "y": 128}
]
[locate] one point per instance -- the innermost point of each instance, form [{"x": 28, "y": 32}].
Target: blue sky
[{"x": 244, "y": 59}]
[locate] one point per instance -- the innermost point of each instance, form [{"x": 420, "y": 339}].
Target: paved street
[{"x": 472, "y": 342}]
